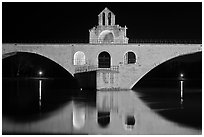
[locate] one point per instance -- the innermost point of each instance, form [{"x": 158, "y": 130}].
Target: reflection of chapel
[{"x": 107, "y": 32}]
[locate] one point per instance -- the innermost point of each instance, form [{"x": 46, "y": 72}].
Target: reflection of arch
[
  {"x": 106, "y": 36},
  {"x": 103, "y": 119},
  {"x": 153, "y": 66},
  {"x": 79, "y": 58},
  {"x": 9, "y": 54},
  {"x": 129, "y": 122},
  {"x": 130, "y": 58},
  {"x": 104, "y": 60}
]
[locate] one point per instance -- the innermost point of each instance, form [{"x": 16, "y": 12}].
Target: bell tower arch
[
  {"x": 106, "y": 18},
  {"x": 106, "y": 23}
]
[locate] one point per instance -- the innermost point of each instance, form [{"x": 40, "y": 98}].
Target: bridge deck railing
[
  {"x": 88, "y": 68},
  {"x": 83, "y": 41}
]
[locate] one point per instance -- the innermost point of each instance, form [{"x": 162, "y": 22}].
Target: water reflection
[
  {"x": 168, "y": 104},
  {"x": 113, "y": 101},
  {"x": 181, "y": 80},
  {"x": 78, "y": 116},
  {"x": 115, "y": 112},
  {"x": 40, "y": 93},
  {"x": 103, "y": 118},
  {"x": 107, "y": 100},
  {"x": 27, "y": 99},
  {"x": 129, "y": 122}
]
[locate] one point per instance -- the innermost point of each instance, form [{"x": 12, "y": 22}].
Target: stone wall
[
  {"x": 148, "y": 57},
  {"x": 107, "y": 80}
]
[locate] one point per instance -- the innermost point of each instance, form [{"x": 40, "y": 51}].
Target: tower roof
[{"x": 106, "y": 10}]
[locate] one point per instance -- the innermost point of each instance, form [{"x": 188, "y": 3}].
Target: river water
[{"x": 144, "y": 110}]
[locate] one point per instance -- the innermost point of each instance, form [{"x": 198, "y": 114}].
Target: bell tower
[
  {"x": 106, "y": 17},
  {"x": 107, "y": 32}
]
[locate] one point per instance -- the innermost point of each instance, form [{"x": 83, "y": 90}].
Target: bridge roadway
[{"x": 125, "y": 76}]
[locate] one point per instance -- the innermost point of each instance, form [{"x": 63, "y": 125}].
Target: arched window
[
  {"x": 109, "y": 18},
  {"x": 104, "y": 60},
  {"x": 79, "y": 58},
  {"x": 130, "y": 58},
  {"x": 104, "y": 18}
]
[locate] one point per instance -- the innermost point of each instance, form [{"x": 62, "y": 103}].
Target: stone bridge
[
  {"x": 108, "y": 60},
  {"x": 117, "y": 66}
]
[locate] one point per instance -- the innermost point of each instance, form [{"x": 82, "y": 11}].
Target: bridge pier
[
  {"x": 86, "y": 80},
  {"x": 103, "y": 79},
  {"x": 107, "y": 79}
]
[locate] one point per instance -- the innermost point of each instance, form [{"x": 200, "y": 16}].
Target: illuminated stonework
[{"x": 107, "y": 32}]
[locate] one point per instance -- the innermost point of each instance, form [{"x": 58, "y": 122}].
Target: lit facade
[{"x": 107, "y": 32}]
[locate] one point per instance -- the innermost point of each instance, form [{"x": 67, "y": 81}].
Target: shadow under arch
[
  {"x": 10, "y": 54},
  {"x": 20, "y": 93},
  {"x": 161, "y": 63},
  {"x": 163, "y": 94}
]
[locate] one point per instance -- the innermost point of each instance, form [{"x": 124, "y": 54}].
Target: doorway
[{"x": 104, "y": 60}]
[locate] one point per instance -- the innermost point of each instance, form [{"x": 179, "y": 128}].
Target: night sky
[{"x": 70, "y": 22}]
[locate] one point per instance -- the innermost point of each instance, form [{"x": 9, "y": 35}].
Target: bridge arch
[
  {"x": 104, "y": 60},
  {"x": 9, "y": 54},
  {"x": 153, "y": 66},
  {"x": 130, "y": 57},
  {"x": 79, "y": 58}
]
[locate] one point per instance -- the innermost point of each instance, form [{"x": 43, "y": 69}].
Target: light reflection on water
[
  {"x": 115, "y": 112},
  {"x": 78, "y": 116}
]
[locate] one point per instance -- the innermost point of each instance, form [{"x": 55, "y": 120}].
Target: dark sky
[{"x": 70, "y": 22}]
